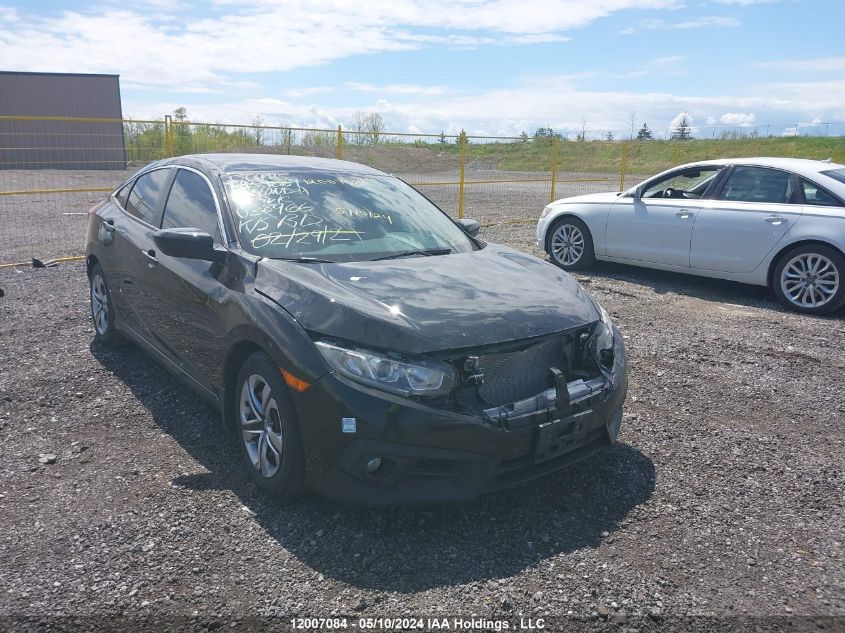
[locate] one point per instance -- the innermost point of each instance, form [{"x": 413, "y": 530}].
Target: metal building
[{"x": 64, "y": 139}]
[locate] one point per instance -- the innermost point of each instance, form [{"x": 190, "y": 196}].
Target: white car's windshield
[{"x": 337, "y": 217}]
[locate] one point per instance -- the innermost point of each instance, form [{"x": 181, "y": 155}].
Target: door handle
[
  {"x": 683, "y": 213},
  {"x": 151, "y": 257},
  {"x": 774, "y": 219}
]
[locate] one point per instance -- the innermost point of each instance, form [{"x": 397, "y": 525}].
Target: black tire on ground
[
  {"x": 575, "y": 227},
  {"x": 836, "y": 265},
  {"x": 102, "y": 309},
  {"x": 284, "y": 470}
]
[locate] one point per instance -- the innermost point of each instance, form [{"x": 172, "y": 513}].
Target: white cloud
[
  {"x": 668, "y": 65},
  {"x": 397, "y": 89},
  {"x": 737, "y": 118},
  {"x": 157, "y": 48},
  {"x": 503, "y": 16},
  {"x": 9, "y": 14},
  {"x": 305, "y": 92},
  {"x": 818, "y": 65},
  {"x": 698, "y": 23},
  {"x": 711, "y": 120},
  {"x": 745, "y": 3},
  {"x": 790, "y": 131}
]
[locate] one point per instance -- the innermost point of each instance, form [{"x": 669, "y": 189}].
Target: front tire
[
  {"x": 102, "y": 309},
  {"x": 267, "y": 428},
  {"x": 570, "y": 244},
  {"x": 809, "y": 279}
]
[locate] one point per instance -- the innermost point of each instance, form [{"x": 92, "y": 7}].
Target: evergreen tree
[
  {"x": 644, "y": 134},
  {"x": 683, "y": 131}
]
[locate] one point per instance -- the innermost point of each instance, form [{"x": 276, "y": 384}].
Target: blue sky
[{"x": 492, "y": 67}]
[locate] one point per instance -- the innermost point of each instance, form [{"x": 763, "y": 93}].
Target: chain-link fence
[{"x": 53, "y": 169}]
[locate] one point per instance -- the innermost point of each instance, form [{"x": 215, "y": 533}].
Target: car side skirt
[{"x": 756, "y": 277}]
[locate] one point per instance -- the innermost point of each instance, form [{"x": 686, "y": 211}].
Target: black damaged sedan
[{"x": 356, "y": 339}]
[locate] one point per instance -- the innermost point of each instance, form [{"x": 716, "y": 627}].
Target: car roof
[
  {"x": 244, "y": 162},
  {"x": 802, "y": 166}
]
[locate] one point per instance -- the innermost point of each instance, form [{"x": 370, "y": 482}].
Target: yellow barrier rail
[
  {"x": 75, "y": 258},
  {"x": 40, "y": 191},
  {"x": 496, "y": 182}
]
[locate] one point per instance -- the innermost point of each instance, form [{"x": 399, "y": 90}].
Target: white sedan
[{"x": 777, "y": 222}]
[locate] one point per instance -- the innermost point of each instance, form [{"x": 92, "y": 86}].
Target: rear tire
[
  {"x": 267, "y": 429},
  {"x": 810, "y": 279},
  {"x": 570, "y": 244},
  {"x": 102, "y": 309}
]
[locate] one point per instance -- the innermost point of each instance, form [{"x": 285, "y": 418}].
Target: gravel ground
[{"x": 724, "y": 498}]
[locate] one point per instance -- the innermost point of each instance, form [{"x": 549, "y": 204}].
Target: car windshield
[{"x": 329, "y": 216}]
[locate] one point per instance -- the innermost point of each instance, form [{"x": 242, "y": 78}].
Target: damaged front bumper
[{"x": 400, "y": 450}]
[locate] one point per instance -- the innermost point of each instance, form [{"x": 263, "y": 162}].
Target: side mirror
[
  {"x": 188, "y": 244},
  {"x": 470, "y": 226},
  {"x": 638, "y": 193}
]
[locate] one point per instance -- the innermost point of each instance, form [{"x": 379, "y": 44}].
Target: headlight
[
  {"x": 601, "y": 341},
  {"x": 546, "y": 211},
  {"x": 422, "y": 377},
  {"x": 604, "y": 332}
]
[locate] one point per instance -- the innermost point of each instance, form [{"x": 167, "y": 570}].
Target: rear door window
[
  {"x": 143, "y": 200},
  {"x": 758, "y": 184},
  {"x": 190, "y": 204}
]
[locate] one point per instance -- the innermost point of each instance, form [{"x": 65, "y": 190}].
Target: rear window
[
  {"x": 337, "y": 217},
  {"x": 836, "y": 174}
]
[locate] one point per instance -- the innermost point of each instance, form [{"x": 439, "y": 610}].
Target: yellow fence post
[
  {"x": 554, "y": 169},
  {"x": 623, "y": 166},
  {"x": 339, "y": 143},
  {"x": 168, "y": 136},
  {"x": 463, "y": 141}
]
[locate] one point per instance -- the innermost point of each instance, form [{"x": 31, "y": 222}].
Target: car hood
[
  {"x": 428, "y": 304},
  {"x": 606, "y": 197}
]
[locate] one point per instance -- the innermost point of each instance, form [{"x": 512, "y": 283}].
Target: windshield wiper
[
  {"x": 305, "y": 259},
  {"x": 427, "y": 252}
]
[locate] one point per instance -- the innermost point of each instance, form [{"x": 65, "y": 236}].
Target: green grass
[{"x": 644, "y": 157}]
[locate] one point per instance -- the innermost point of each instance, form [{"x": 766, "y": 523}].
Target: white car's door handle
[
  {"x": 774, "y": 219},
  {"x": 684, "y": 213}
]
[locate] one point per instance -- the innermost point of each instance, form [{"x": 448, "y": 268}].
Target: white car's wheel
[
  {"x": 570, "y": 244},
  {"x": 811, "y": 279}
]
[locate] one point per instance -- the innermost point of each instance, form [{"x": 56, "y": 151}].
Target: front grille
[{"x": 512, "y": 376}]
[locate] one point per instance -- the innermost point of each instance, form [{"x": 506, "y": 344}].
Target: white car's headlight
[
  {"x": 423, "y": 377},
  {"x": 546, "y": 211}
]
